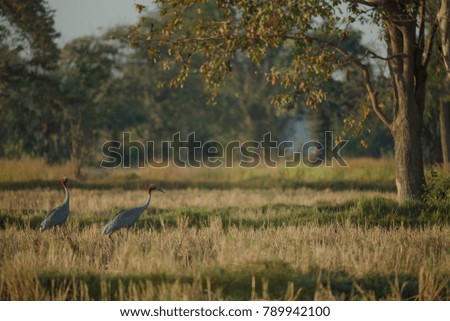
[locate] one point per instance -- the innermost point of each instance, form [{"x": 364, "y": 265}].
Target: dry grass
[
  {"x": 199, "y": 254},
  {"x": 331, "y": 260},
  {"x": 31, "y": 169},
  {"x": 362, "y": 170},
  {"x": 89, "y": 202}
]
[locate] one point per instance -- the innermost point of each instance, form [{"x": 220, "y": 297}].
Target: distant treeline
[{"x": 63, "y": 104}]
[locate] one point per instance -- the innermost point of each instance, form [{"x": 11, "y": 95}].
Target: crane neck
[
  {"x": 67, "y": 193},
  {"x": 147, "y": 203}
]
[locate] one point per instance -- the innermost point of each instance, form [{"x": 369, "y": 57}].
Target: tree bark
[
  {"x": 407, "y": 64},
  {"x": 409, "y": 78},
  {"x": 76, "y": 158},
  {"x": 78, "y": 151},
  {"x": 443, "y": 18},
  {"x": 406, "y": 131},
  {"x": 444, "y": 123},
  {"x": 408, "y": 57}
]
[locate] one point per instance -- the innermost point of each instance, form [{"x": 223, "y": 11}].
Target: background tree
[
  {"x": 443, "y": 18},
  {"x": 28, "y": 58},
  {"x": 255, "y": 27},
  {"x": 94, "y": 94},
  {"x": 243, "y": 110},
  {"x": 436, "y": 97},
  {"x": 346, "y": 110}
]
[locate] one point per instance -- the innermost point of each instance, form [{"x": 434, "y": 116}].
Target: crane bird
[
  {"x": 57, "y": 216},
  {"x": 126, "y": 219}
]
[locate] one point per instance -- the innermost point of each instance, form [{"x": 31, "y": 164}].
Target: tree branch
[
  {"x": 373, "y": 98},
  {"x": 364, "y": 69},
  {"x": 374, "y": 55},
  {"x": 442, "y": 16},
  {"x": 394, "y": 79},
  {"x": 421, "y": 39},
  {"x": 302, "y": 37},
  {"x": 369, "y": 3},
  {"x": 429, "y": 45}
]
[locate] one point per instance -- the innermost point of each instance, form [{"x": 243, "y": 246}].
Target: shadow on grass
[
  {"x": 263, "y": 280},
  {"x": 135, "y": 184}
]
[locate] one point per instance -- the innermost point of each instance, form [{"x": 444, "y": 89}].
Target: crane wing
[
  {"x": 124, "y": 219},
  {"x": 52, "y": 212}
]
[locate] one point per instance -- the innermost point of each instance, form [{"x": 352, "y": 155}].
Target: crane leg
[
  {"x": 58, "y": 231},
  {"x": 109, "y": 235},
  {"x": 63, "y": 230}
]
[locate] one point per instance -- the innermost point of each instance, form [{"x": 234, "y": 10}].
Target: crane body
[
  {"x": 58, "y": 216},
  {"x": 125, "y": 219},
  {"x": 128, "y": 218}
]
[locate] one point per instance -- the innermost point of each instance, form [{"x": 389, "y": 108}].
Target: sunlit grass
[
  {"x": 303, "y": 234},
  {"x": 371, "y": 248},
  {"x": 25, "y": 170},
  {"x": 348, "y": 256},
  {"x": 366, "y": 174},
  {"x": 88, "y": 202},
  {"x": 358, "y": 170}
]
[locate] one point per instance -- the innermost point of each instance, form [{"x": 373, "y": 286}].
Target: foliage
[
  {"x": 190, "y": 30},
  {"x": 31, "y": 119},
  {"x": 436, "y": 93},
  {"x": 87, "y": 67},
  {"x": 316, "y": 38},
  {"x": 28, "y": 56},
  {"x": 31, "y": 25},
  {"x": 102, "y": 88},
  {"x": 312, "y": 33},
  {"x": 94, "y": 97},
  {"x": 242, "y": 110},
  {"x": 437, "y": 190}
]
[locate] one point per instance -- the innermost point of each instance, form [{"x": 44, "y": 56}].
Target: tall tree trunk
[
  {"x": 443, "y": 17},
  {"x": 77, "y": 155},
  {"x": 409, "y": 78},
  {"x": 444, "y": 106},
  {"x": 406, "y": 130},
  {"x": 444, "y": 124},
  {"x": 76, "y": 158}
]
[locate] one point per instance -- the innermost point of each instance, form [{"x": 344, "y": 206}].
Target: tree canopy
[
  {"x": 28, "y": 56},
  {"x": 312, "y": 33},
  {"x": 251, "y": 55}
]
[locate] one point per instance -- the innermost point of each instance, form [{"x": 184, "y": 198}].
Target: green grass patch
[{"x": 364, "y": 212}]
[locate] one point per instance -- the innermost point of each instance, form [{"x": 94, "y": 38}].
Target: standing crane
[
  {"x": 126, "y": 219},
  {"x": 57, "y": 216}
]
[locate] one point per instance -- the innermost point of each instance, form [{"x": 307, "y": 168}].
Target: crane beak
[{"x": 159, "y": 189}]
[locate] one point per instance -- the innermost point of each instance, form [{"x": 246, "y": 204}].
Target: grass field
[{"x": 225, "y": 234}]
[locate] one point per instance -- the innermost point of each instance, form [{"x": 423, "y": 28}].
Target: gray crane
[
  {"x": 126, "y": 219},
  {"x": 58, "y": 216}
]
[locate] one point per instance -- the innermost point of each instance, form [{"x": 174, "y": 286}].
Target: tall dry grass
[
  {"x": 105, "y": 202},
  {"x": 361, "y": 170},
  {"x": 24, "y": 170},
  {"x": 196, "y": 255},
  {"x": 336, "y": 260}
]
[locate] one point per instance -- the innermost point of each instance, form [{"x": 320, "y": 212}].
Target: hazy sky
[{"x": 75, "y": 18}]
